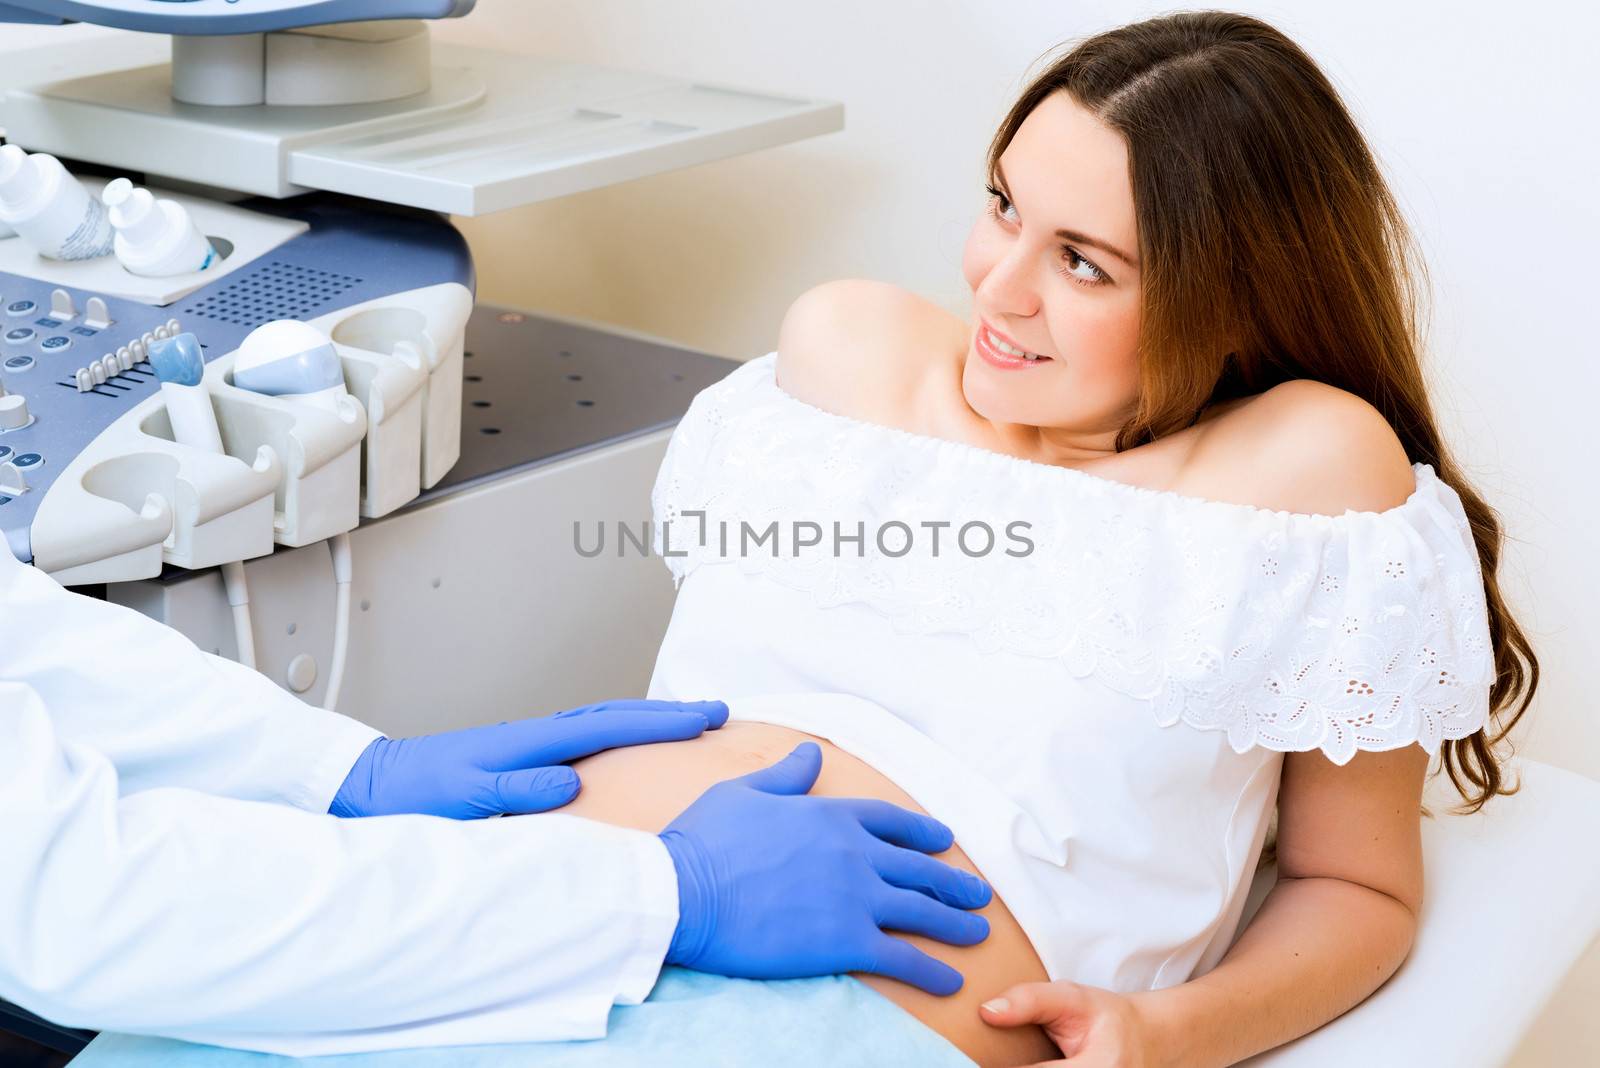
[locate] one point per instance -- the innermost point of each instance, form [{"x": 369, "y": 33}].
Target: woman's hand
[{"x": 1094, "y": 1028}]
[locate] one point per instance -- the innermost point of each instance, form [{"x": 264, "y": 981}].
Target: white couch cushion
[{"x": 1512, "y": 901}]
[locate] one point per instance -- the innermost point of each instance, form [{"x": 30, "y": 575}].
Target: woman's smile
[{"x": 1001, "y": 352}]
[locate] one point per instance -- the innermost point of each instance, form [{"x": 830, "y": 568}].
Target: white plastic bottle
[
  {"x": 50, "y": 208},
  {"x": 155, "y": 238}
]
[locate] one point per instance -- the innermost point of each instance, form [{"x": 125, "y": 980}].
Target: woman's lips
[{"x": 1002, "y": 360}]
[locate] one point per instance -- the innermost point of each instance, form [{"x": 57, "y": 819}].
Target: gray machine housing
[{"x": 473, "y": 604}]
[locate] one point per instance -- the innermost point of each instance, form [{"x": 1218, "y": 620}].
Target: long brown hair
[{"x": 1271, "y": 249}]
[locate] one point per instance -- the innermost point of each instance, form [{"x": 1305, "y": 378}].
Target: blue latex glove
[
  {"x": 776, "y": 885},
  {"x": 509, "y": 767}
]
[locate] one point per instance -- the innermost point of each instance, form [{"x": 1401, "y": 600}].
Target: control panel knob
[
  {"x": 62, "y": 306},
  {"x": 95, "y": 315},
  {"x": 11, "y": 481},
  {"x": 14, "y": 412}
]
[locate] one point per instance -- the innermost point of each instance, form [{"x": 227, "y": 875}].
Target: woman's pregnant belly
[{"x": 645, "y": 787}]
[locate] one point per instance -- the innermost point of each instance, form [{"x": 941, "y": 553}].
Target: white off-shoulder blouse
[{"x": 1092, "y": 683}]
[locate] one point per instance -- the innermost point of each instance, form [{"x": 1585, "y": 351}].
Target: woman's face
[{"x": 1071, "y": 299}]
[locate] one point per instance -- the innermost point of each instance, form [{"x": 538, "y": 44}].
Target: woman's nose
[{"x": 1009, "y": 286}]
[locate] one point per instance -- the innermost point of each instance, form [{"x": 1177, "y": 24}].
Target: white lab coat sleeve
[
  {"x": 162, "y": 711},
  {"x": 262, "y": 927}
]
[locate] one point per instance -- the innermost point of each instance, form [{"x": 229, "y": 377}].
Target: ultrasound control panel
[
  {"x": 72, "y": 361},
  {"x": 69, "y": 362}
]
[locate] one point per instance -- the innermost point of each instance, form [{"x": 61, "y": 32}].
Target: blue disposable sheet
[{"x": 689, "y": 1019}]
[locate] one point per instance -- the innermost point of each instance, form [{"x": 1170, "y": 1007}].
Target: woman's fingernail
[{"x": 997, "y": 1005}]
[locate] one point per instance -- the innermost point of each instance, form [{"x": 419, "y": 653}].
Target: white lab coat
[{"x": 167, "y": 865}]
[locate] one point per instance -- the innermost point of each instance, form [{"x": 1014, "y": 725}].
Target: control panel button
[
  {"x": 19, "y": 363},
  {"x": 20, "y": 307},
  {"x": 28, "y": 459},
  {"x": 18, "y": 335},
  {"x": 55, "y": 343},
  {"x": 6, "y": 451}
]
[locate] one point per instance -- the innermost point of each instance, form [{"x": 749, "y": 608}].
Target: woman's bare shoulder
[
  {"x": 1300, "y": 446},
  {"x": 864, "y": 348}
]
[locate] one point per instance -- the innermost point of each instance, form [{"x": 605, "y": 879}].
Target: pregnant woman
[{"x": 1162, "y": 538}]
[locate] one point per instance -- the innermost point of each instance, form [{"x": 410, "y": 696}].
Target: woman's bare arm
[
  {"x": 1344, "y": 912},
  {"x": 1339, "y": 922}
]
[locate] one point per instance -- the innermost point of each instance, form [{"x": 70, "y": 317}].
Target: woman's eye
[
  {"x": 1080, "y": 268},
  {"x": 1077, "y": 268},
  {"x": 998, "y": 202}
]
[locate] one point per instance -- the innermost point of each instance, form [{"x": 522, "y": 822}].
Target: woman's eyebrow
[{"x": 1071, "y": 235}]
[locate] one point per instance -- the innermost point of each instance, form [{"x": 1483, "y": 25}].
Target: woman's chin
[{"x": 997, "y": 399}]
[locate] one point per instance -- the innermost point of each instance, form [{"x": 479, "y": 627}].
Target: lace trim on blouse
[{"x": 1290, "y": 631}]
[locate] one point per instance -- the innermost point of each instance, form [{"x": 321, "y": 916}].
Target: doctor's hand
[
  {"x": 773, "y": 884},
  {"x": 509, "y": 767}
]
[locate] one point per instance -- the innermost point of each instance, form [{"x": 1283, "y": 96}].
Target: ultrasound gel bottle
[
  {"x": 154, "y": 237},
  {"x": 50, "y": 208}
]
